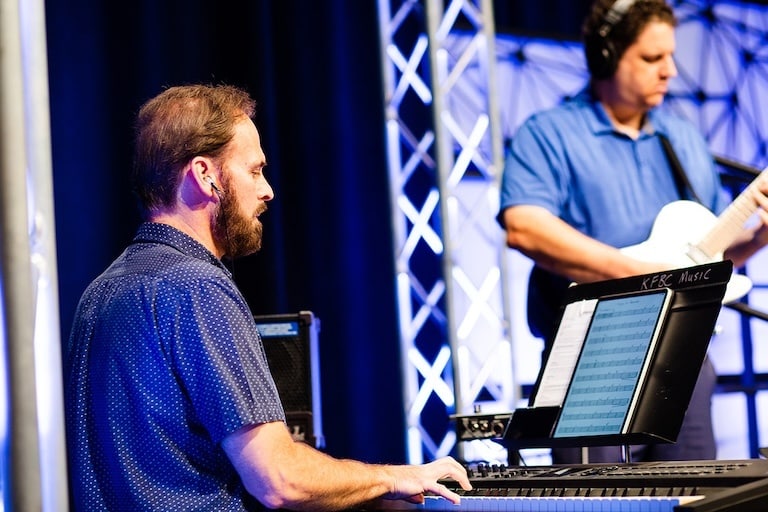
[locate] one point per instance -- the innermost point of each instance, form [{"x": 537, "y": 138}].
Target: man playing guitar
[{"x": 592, "y": 175}]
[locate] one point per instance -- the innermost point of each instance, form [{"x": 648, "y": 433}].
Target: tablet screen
[{"x": 612, "y": 365}]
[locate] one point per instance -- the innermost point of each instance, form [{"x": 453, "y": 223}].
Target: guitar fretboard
[{"x": 729, "y": 224}]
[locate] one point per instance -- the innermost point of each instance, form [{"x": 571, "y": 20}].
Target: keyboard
[{"x": 698, "y": 486}]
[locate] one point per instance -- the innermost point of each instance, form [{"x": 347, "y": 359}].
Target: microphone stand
[
  {"x": 733, "y": 165},
  {"x": 747, "y": 310}
]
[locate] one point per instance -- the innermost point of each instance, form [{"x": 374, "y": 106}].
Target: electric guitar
[{"x": 685, "y": 233}]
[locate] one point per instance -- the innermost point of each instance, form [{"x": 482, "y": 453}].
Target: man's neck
[
  {"x": 190, "y": 226},
  {"x": 627, "y": 119},
  {"x": 628, "y": 125}
]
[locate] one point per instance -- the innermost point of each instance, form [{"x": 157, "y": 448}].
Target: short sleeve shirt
[{"x": 163, "y": 362}]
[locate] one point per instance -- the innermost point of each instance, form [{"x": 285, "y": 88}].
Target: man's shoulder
[
  {"x": 157, "y": 265},
  {"x": 567, "y": 107},
  {"x": 670, "y": 121},
  {"x": 163, "y": 258},
  {"x": 682, "y": 132},
  {"x": 567, "y": 112}
]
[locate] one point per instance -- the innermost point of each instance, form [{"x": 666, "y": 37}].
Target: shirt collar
[
  {"x": 600, "y": 123},
  {"x": 156, "y": 232}
]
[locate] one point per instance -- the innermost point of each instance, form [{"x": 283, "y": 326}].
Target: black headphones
[{"x": 606, "y": 59}]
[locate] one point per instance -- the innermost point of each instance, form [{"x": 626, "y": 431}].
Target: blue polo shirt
[
  {"x": 571, "y": 161},
  {"x": 163, "y": 362}
]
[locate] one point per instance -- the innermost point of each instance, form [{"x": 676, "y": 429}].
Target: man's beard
[{"x": 237, "y": 234}]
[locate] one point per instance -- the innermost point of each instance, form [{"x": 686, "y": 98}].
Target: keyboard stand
[{"x": 625, "y": 454}]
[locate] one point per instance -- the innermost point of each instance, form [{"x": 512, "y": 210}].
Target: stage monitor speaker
[{"x": 291, "y": 345}]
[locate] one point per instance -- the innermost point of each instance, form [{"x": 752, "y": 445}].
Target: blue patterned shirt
[{"x": 163, "y": 362}]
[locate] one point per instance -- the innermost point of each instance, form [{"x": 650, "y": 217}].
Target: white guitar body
[{"x": 675, "y": 238}]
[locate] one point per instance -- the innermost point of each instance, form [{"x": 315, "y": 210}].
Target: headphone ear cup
[{"x": 607, "y": 61}]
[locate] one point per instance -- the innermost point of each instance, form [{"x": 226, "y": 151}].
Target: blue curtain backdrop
[{"x": 314, "y": 68}]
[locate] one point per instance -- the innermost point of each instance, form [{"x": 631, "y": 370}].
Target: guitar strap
[{"x": 681, "y": 180}]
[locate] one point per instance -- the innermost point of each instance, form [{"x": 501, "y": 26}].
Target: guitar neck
[{"x": 730, "y": 223}]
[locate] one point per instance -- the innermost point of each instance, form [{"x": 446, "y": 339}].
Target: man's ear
[{"x": 204, "y": 174}]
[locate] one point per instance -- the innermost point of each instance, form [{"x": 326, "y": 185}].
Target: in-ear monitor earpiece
[{"x": 213, "y": 185}]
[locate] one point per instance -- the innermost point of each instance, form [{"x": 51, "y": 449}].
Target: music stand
[{"x": 614, "y": 392}]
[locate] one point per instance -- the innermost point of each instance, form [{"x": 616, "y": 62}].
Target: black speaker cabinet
[{"x": 290, "y": 342}]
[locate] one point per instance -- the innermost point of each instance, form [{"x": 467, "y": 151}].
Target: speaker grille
[
  {"x": 288, "y": 359},
  {"x": 290, "y": 344}
]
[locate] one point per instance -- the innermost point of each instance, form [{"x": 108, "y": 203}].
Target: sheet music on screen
[{"x": 613, "y": 362}]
